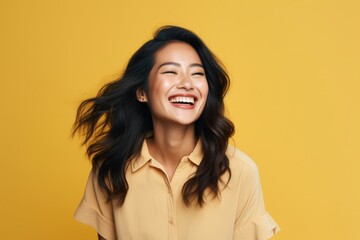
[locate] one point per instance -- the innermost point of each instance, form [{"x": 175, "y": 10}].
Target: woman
[{"x": 158, "y": 139}]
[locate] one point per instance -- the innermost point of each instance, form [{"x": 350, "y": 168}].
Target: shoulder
[
  {"x": 241, "y": 165},
  {"x": 238, "y": 158}
]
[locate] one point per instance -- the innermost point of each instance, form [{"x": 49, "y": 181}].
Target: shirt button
[
  {"x": 171, "y": 221},
  {"x": 169, "y": 190}
]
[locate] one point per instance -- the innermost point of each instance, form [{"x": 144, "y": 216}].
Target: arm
[
  {"x": 253, "y": 221},
  {"x": 95, "y": 211}
]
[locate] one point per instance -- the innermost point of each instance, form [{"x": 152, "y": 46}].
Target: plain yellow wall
[{"x": 294, "y": 100}]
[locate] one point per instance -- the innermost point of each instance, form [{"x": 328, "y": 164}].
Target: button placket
[
  {"x": 171, "y": 205},
  {"x": 171, "y": 232}
]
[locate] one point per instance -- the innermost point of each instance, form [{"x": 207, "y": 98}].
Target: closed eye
[
  {"x": 169, "y": 72},
  {"x": 199, "y": 73}
]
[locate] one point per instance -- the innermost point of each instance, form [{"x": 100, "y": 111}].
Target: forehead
[{"x": 177, "y": 51}]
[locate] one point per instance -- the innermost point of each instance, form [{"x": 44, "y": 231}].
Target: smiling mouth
[{"x": 183, "y": 100}]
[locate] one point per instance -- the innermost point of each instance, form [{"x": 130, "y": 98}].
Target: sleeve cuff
[
  {"x": 262, "y": 228},
  {"x": 90, "y": 216}
]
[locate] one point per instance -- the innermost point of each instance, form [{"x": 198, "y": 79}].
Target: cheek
[
  {"x": 203, "y": 88},
  {"x": 162, "y": 84},
  {"x": 158, "y": 87}
]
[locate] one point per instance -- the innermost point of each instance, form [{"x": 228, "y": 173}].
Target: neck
[{"x": 170, "y": 144}]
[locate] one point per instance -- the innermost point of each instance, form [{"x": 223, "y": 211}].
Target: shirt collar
[{"x": 195, "y": 156}]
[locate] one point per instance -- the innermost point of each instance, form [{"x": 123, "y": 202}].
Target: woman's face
[{"x": 178, "y": 87}]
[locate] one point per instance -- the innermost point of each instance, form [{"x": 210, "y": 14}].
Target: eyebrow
[{"x": 178, "y": 64}]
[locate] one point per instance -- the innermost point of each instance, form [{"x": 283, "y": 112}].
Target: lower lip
[{"x": 183, "y": 106}]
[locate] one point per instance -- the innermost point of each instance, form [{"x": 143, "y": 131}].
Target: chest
[{"x": 154, "y": 208}]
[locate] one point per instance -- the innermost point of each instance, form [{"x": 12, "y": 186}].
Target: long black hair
[{"x": 114, "y": 123}]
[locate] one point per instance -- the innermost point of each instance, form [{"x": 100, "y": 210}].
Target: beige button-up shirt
[{"x": 154, "y": 209}]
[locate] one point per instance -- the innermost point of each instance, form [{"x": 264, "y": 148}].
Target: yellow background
[{"x": 294, "y": 99}]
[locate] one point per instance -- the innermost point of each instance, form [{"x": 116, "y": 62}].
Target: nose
[{"x": 185, "y": 83}]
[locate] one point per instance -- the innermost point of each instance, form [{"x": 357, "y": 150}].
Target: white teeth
[{"x": 182, "y": 100}]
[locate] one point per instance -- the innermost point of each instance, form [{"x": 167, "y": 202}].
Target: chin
[{"x": 187, "y": 122}]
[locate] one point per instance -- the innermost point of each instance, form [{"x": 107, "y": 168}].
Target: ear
[{"x": 141, "y": 95}]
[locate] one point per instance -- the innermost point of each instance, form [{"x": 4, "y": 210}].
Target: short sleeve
[
  {"x": 253, "y": 222},
  {"x": 95, "y": 210}
]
